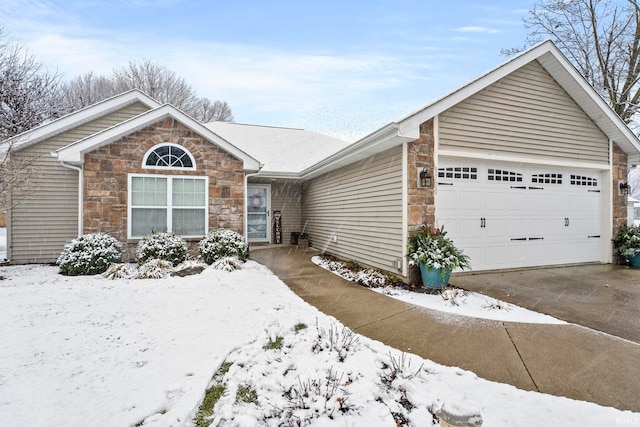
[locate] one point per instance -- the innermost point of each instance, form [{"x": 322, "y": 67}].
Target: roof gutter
[{"x": 383, "y": 139}]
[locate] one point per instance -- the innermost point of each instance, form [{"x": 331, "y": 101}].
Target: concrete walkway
[{"x": 564, "y": 360}]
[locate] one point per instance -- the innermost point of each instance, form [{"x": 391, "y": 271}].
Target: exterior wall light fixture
[
  {"x": 625, "y": 188},
  {"x": 425, "y": 178}
]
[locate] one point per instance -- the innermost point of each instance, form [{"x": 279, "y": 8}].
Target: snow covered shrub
[
  {"x": 454, "y": 296},
  {"x": 155, "y": 269},
  {"x": 166, "y": 246},
  {"x": 227, "y": 264},
  {"x": 351, "y": 270},
  {"x": 89, "y": 254},
  {"x": 222, "y": 243},
  {"x": 341, "y": 340},
  {"x": 118, "y": 271},
  {"x": 495, "y": 304}
]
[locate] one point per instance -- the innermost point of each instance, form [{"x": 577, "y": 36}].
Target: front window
[
  {"x": 167, "y": 203},
  {"x": 168, "y": 156}
]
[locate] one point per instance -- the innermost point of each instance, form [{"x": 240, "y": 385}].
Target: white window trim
[
  {"x": 167, "y": 144},
  {"x": 169, "y": 206}
]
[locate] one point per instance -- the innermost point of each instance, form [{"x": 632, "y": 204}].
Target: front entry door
[{"x": 258, "y": 208}]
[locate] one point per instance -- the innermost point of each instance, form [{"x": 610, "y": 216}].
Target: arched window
[{"x": 168, "y": 156}]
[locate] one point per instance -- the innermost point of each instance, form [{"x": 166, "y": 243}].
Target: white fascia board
[
  {"x": 74, "y": 153},
  {"x": 80, "y": 117},
  {"x": 383, "y": 139}
]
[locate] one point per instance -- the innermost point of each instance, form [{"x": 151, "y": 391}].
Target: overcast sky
[{"x": 340, "y": 67}]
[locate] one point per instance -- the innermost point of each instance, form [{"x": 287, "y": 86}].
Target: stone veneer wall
[
  {"x": 618, "y": 175},
  {"x": 106, "y": 171},
  {"x": 421, "y": 204}
]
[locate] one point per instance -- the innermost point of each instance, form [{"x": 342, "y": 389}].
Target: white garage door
[{"x": 507, "y": 215}]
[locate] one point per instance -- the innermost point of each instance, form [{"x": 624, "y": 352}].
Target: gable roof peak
[
  {"x": 79, "y": 117},
  {"x": 549, "y": 56},
  {"x": 74, "y": 152}
]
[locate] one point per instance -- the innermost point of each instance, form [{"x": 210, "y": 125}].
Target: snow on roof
[{"x": 281, "y": 150}]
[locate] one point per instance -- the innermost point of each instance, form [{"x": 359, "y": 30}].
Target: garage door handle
[
  {"x": 536, "y": 188},
  {"x": 518, "y": 238},
  {"x": 445, "y": 183},
  {"x": 519, "y": 188},
  {"x": 593, "y": 237},
  {"x": 536, "y": 238}
]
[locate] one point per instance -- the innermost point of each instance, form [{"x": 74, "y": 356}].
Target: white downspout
[{"x": 80, "y": 193}]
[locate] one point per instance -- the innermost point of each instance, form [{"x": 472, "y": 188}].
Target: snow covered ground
[{"x": 77, "y": 351}]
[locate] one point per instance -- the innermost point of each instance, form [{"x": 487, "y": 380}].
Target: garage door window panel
[
  {"x": 459, "y": 172},
  {"x": 503, "y": 175},
  {"x": 585, "y": 181},
  {"x": 546, "y": 178}
]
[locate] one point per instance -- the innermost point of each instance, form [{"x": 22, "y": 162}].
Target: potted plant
[
  {"x": 436, "y": 255},
  {"x": 627, "y": 243}
]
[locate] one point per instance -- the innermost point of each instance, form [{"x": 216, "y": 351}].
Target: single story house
[{"x": 526, "y": 165}]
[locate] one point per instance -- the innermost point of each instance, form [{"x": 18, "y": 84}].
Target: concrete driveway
[{"x": 599, "y": 296}]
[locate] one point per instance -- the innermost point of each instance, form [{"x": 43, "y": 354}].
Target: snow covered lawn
[{"x": 78, "y": 351}]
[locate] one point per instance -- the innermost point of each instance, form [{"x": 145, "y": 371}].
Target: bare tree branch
[
  {"x": 217, "y": 112},
  {"x": 601, "y": 38},
  {"x": 29, "y": 96},
  {"x": 155, "y": 80}
]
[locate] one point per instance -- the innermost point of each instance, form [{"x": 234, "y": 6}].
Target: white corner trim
[{"x": 405, "y": 206}]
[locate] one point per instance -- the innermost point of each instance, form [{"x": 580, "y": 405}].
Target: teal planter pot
[
  {"x": 634, "y": 261},
  {"x": 433, "y": 278}
]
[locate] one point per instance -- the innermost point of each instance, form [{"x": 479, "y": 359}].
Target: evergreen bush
[
  {"x": 222, "y": 243},
  {"x": 89, "y": 254},
  {"x": 165, "y": 246}
]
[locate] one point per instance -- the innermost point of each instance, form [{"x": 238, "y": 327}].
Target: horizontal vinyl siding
[
  {"x": 44, "y": 222},
  {"x": 287, "y": 198},
  {"x": 525, "y": 114},
  {"x": 99, "y": 124},
  {"x": 361, "y": 204},
  {"x": 41, "y": 224}
]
